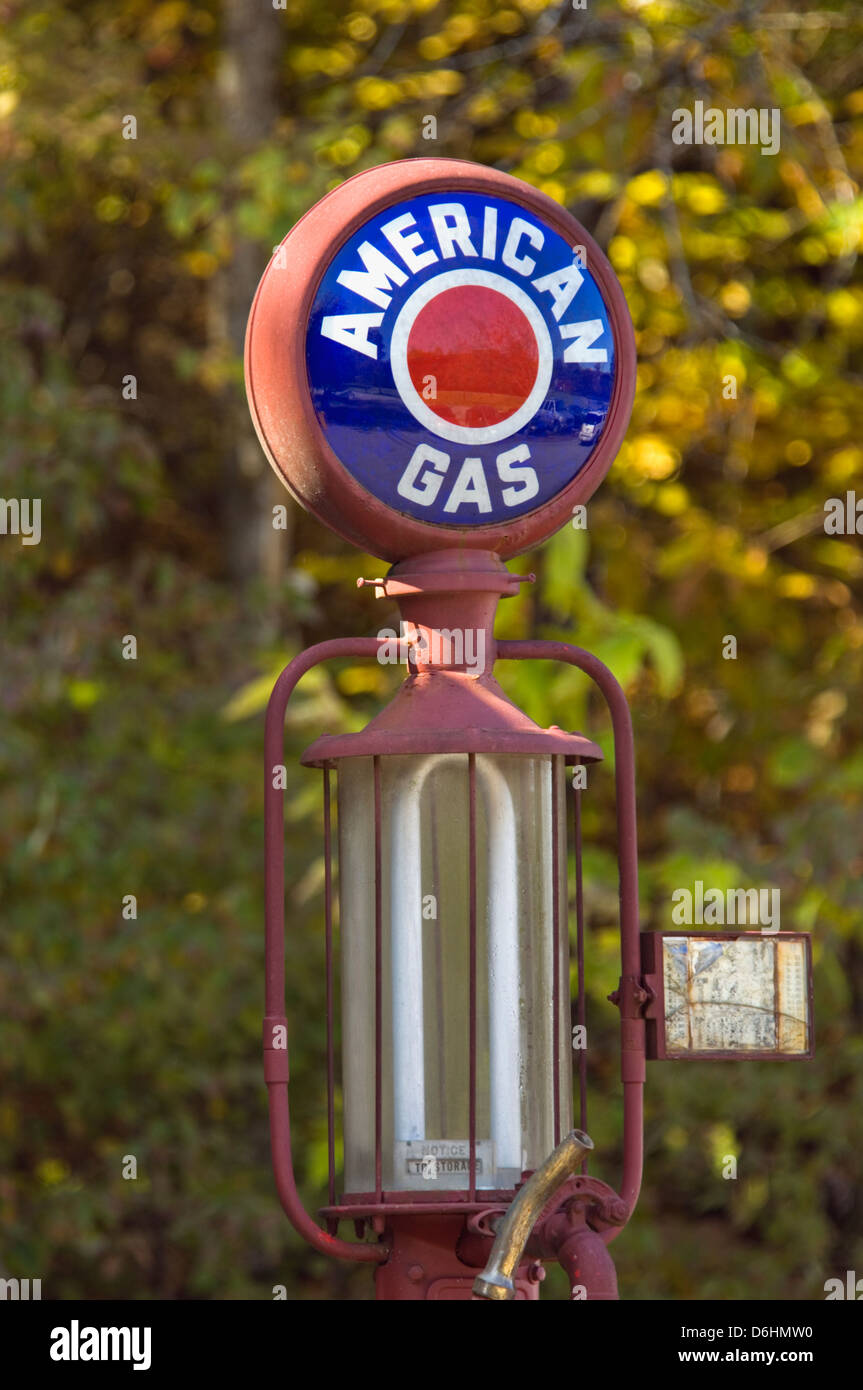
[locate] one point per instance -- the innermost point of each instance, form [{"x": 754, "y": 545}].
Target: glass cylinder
[{"x": 425, "y": 969}]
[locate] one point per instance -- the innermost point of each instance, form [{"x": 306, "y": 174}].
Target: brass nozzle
[{"x": 496, "y": 1280}]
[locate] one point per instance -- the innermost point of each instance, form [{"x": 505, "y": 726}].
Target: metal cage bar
[
  {"x": 581, "y": 1007},
  {"x": 332, "y": 1225},
  {"x": 276, "y": 1069},
  {"x": 556, "y": 945},
  {"x": 379, "y": 920},
  {"x": 472, "y": 1029}
]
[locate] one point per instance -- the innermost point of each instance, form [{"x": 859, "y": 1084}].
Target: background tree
[{"x": 128, "y": 265}]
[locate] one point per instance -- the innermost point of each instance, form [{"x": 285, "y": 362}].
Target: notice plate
[
  {"x": 429, "y": 1163},
  {"x": 726, "y": 995}
]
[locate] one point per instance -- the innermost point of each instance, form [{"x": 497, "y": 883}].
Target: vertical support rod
[
  {"x": 579, "y": 952},
  {"x": 471, "y": 777},
  {"x": 328, "y": 937},
  {"x": 556, "y": 944},
  {"x": 275, "y": 1022},
  {"x": 378, "y": 985}
]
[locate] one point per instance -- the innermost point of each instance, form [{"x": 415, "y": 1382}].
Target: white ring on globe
[{"x": 445, "y": 429}]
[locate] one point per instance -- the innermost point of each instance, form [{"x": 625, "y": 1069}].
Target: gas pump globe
[{"x": 440, "y": 366}]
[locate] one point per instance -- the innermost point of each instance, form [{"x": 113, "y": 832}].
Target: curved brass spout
[{"x": 496, "y": 1280}]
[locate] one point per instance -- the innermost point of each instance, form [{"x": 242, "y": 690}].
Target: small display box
[{"x": 728, "y": 995}]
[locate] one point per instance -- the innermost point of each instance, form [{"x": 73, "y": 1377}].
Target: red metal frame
[
  {"x": 276, "y": 1070},
  {"x": 610, "y": 1211}
]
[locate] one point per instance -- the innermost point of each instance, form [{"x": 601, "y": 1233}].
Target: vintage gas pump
[{"x": 440, "y": 366}]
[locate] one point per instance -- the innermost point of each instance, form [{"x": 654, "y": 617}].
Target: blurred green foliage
[{"x": 143, "y": 777}]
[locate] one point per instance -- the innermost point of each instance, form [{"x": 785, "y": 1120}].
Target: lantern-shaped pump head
[
  {"x": 452, "y": 804},
  {"x": 453, "y": 904}
]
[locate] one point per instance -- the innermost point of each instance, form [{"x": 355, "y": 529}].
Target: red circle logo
[{"x": 472, "y": 356}]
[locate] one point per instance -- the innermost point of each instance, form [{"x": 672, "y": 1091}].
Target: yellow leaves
[
  {"x": 553, "y": 188},
  {"x": 335, "y": 61},
  {"x": 457, "y": 31},
  {"x": 647, "y": 189},
  {"x": 368, "y": 679},
  {"x": 699, "y": 193},
  {"x": 252, "y": 697},
  {"x": 676, "y": 1139},
  {"x": 804, "y": 113},
  {"x": 754, "y": 562},
  {"x": 829, "y": 704},
  {"x": 706, "y": 199},
  {"x": 752, "y": 1194},
  {"x": 596, "y": 183},
  {"x": 796, "y": 585},
  {"x": 532, "y": 125},
  {"x": 201, "y": 264},
  {"x": 765, "y": 401},
  {"x": 461, "y": 27},
  {"x": 195, "y": 902},
  {"x": 622, "y": 252},
  {"x": 824, "y": 710},
  {"x": 484, "y": 108},
  {"x": 733, "y": 366},
  {"x": 672, "y": 500},
  {"x": 798, "y": 452},
  {"x": 201, "y": 22},
  {"x": 506, "y": 22},
  {"x": 376, "y": 94},
  {"x": 83, "y": 694},
  {"x": 434, "y": 47},
  {"x": 8, "y": 101},
  {"x": 347, "y": 148},
  {"x": 165, "y": 19},
  {"x": 721, "y": 1144},
  {"x": 111, "y": 208},
  {"x": 808, "y": 198},
  {"x": 653, "y": 457},
  {"x": 845, "y": 308},
  {"x": 442, "y": 83},
  {"x": 361, "y": 27},
  {"x": 547, "y": 159},
  {"x": 653, "y": 274},
  {"x": 844, "y": 465},
  {"x": 51, "y": 1172},
  {"x": 735, "y": 298},
  {"x": 798, "y": 369}
]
